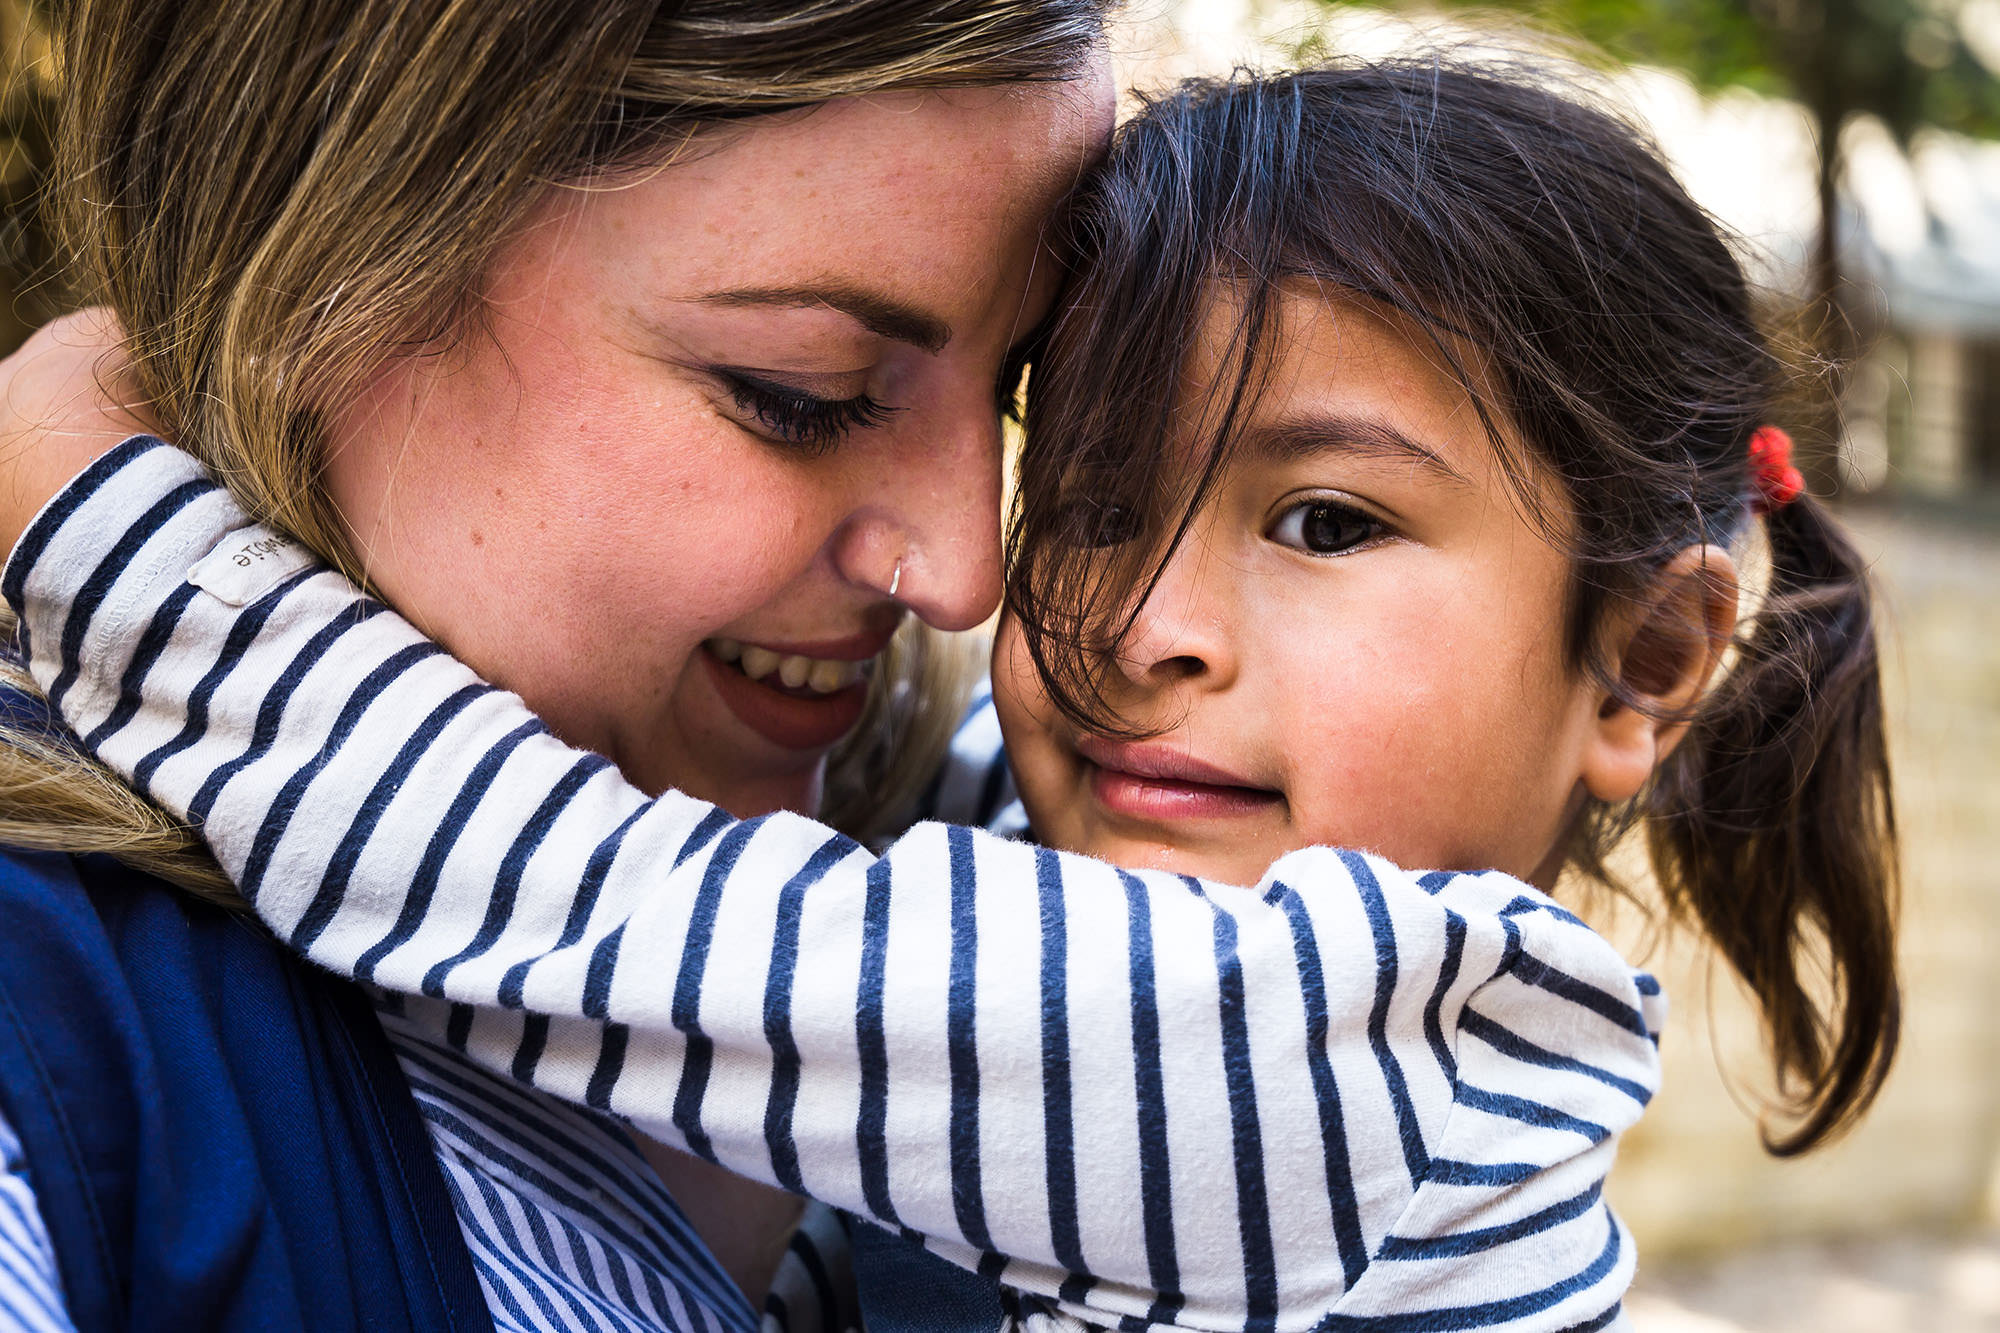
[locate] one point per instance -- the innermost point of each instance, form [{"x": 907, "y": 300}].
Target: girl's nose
[
  {"x": 926, "y": 525},
  {"x": 1181, "y": 633}
]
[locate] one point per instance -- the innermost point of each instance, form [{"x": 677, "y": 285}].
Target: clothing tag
[{"x": 248, "y": 563}]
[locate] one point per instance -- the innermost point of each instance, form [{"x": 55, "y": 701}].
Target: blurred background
[{"x": 1847, "y": 142}]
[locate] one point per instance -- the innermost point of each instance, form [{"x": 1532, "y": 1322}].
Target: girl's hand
[{"x": 65, "y": 399}]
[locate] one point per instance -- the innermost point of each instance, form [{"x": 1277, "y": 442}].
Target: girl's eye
[
  {"x": 805, "y": 421},
  {"x": 1323, "y": 527},
  {"x": 1095, "y": 523}
]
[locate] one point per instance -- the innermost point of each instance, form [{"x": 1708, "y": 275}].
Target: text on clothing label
[{"x": 248, "y": 563}]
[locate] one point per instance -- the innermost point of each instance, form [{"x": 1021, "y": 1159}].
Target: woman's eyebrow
[
  {"x": 877, "y": 312},
  {"x": 1302, "y": 437}
]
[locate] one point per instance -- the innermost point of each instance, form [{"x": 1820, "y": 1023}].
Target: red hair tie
[{"x": 1778, "y": 482}]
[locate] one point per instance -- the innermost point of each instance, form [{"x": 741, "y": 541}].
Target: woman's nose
[
  {"x": 926, "y": 527},
  {"x": 1181, "y": 632}
]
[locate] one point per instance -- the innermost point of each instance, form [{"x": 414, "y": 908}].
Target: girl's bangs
[{"x": 1122, "y": 446}]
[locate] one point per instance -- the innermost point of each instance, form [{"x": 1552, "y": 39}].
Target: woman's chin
[
  {"x": 746, "y": 796},
  {"x": 738, "y": 784},
  {"x": 700, "y": 747},
  {"x": 745, "y": 778}
]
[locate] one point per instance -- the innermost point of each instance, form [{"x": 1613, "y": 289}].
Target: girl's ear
[{"x": 1661, "y": 653}]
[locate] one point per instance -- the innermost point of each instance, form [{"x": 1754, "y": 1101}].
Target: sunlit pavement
[{"x": 1895, "y": 1284}]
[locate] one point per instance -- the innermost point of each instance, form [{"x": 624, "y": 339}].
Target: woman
[{"x": 670, "y": 256}]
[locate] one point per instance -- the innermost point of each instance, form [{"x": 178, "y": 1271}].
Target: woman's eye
[
  {"x": 805, "y": 421},
  {"x": 1322, "y": 527}
]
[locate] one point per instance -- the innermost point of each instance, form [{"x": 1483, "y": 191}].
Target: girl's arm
[{"x": 1349, "y": 1094}]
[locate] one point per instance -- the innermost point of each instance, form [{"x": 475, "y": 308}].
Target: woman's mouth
[
  {"x": 798, "y": 697},
  {"x": 1147, "y": 782},
  {"x": 793, "y": 671}
]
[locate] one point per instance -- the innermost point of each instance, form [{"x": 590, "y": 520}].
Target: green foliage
[
  {"x": 30, "y": 286},
  {"x": 1906, "y": 61},
  {"x": 1715, "y": 41}
]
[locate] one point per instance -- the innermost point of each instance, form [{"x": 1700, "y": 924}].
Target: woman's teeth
[{"x": 818, "y": 674}]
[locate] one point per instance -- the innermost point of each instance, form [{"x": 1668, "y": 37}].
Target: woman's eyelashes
[
  {"x": 1322, "y": 526},
  {"x": 800, "y": 420}
]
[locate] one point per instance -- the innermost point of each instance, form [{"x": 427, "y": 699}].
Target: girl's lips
[
  {"x": 793, "y": 719},
  {"x": 1148, "y": 782},
  {"x": 1163, "y": 800}
]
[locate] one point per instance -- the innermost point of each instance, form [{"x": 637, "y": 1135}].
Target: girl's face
[
  {"x": 705, "y": 416},
  {"x": 1359, "y": 643}
]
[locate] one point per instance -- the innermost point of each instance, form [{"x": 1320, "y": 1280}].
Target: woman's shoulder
[
  {"x": 196, "y": 1106},
  {"x": 81, "y": 914},
  {"x": 100, "y": 960},
  {"x": 55, "y": 904}
]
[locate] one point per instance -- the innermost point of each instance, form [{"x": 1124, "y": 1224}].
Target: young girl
[{"x": 1382, "y": 473}]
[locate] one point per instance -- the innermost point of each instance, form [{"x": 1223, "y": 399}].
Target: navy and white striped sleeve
[
  {"x": 31, "y": 1298},
  {"x": 1349, "y": 1097}
]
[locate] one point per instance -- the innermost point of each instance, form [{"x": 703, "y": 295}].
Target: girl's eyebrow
[{"x": 1297, "y": 438}]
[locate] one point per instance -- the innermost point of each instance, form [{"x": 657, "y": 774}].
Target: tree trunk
[
  {"x": 1828, "y": 322},
  {"x": 1814, "y": 38}
]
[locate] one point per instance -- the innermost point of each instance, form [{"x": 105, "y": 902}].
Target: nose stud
[{"x": 896, "y": 579}]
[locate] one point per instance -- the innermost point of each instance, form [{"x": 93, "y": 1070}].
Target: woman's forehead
[{"x": 917, "y": 203}]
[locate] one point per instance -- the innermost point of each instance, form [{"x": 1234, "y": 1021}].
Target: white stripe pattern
[
  {"x": 1350, "y": 1097},
  {"x": 31, "y": 1299},
  {"x": 568, "y": 1226}
]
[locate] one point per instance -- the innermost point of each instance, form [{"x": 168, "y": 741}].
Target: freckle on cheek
[{"x": 478, "y": 538}]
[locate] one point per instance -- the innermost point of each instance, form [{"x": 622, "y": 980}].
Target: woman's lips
[
  {"x": 1148, "y": 782},
  {"x": 823, "y": 705}
]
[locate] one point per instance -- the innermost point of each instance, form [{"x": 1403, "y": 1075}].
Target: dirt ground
[{"x": 1893, "y": 1284}]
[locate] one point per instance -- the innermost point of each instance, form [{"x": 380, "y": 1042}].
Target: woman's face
[
  {"x": 709, "y": 417},
  {"x": 1359, "y": 643}
]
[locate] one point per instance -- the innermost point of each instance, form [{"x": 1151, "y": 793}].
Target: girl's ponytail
[{"x": 1774, "y": 828}]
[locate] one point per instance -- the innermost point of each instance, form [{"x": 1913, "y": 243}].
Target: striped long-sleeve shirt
[{"x": 1348, "y": 1097}]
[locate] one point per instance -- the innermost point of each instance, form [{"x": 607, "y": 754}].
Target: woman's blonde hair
[{"x": 273, "y": 194}]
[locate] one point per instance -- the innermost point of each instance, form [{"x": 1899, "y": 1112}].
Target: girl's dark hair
[{"x": 1553, "y": 262}]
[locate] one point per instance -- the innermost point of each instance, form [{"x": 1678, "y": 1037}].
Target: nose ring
[{"x": 896, "y": 579}]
